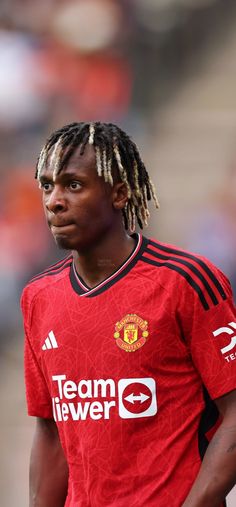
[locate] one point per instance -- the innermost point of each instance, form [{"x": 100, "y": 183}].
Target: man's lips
[
  {"x": 61, "y": 227},
  {"x": 59, "y": 224}
]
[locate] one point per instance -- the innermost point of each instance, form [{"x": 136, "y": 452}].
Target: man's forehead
[{"x": 77, "y": 162}]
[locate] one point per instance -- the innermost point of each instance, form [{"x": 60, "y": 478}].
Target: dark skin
[
  {"x": 92, "y": 208},
  {"x": 48, "y": 467},
  {"x": 84, "y": 215},
  {"x": 217, "y": 474}
]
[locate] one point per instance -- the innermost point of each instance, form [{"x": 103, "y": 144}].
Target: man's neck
[{"x": 103, "y": 259}]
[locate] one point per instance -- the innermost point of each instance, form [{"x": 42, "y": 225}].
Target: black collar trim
[{"x": 83, "y": 290}]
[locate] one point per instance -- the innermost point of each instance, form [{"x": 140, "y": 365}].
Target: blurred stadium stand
[{"x": 165, "y": 71}]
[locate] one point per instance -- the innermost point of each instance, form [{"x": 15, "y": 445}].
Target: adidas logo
[{"x": 50, "y": 342}]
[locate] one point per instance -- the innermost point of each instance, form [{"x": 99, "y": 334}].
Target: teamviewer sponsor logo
[{"x": 100, "y": 399}]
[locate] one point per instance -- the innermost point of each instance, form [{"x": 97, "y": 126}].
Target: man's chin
[{"x": 63, "y": 243}]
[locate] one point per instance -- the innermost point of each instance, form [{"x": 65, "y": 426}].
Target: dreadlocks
[{"x": 113, "y": 147}]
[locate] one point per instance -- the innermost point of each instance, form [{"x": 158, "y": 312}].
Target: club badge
[{"x": 131, "y": 332}]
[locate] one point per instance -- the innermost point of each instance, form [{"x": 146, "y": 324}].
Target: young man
[{"x": 130, "y": 352}]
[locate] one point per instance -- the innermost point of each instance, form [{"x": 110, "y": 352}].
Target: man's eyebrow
[
  {"x": 70, "y": 174},
  {"x": 44, "y": 178},
  {"x": 63, "y": 175}
]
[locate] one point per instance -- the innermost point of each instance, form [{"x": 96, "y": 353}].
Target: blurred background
[{"x": 165, "y": 71}]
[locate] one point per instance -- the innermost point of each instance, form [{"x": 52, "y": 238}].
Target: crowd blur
[{"x": 78, "y": 60}]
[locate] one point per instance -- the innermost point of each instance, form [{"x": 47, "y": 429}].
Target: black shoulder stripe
[
  {"x": 183, "y": 273},
  {"x": 195, "y": 259},
  {"x": 54, "y": 267},
  {"x": 53, "y": 272},
  {"x": 191, "y": 267}
]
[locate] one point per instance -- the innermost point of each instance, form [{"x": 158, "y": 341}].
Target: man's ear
[{"x": 119, "y": 195}]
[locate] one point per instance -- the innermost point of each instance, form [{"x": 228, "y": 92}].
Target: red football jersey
[{"x": 129, "y": 371}]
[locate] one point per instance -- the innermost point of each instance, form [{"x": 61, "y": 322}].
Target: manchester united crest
[{"x": 131, "y": 332}]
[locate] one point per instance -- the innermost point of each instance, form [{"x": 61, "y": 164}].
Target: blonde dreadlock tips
[
  {"x": 41, "y": 161},
  {"x": 91, "y": 133},
  {"x": 55, "y": 160},
  {"x": 98, "y": 161},
  {"x": 122, "y": 171},
  {"x": 110, "y": 144},
  {"x": 153, "y": 193}
]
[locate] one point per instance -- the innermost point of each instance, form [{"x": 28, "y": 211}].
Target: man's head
[{"x": 117, "y": 159}]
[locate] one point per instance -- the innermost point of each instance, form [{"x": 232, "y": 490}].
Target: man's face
[{"x": 78, "y": 205}]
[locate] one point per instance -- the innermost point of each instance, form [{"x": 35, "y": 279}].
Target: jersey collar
[{"x": 83, "y": 290}]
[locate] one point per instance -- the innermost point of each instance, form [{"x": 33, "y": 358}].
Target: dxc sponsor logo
[
  {"x": 231, "y": 345},
  {"x": 100, "y": 399}
]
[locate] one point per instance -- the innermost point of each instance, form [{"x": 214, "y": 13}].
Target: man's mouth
[{"x": 61, "y": 227}]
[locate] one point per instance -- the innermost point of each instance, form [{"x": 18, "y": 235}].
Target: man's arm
[
  {"x": 48, "y": 467},
  {"x": 217, "y": 474}
]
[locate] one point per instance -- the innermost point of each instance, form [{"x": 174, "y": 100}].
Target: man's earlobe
[{"x": 120, "y": 195}]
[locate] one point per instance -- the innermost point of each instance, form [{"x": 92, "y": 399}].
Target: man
[{"x": 130, "y": 344}]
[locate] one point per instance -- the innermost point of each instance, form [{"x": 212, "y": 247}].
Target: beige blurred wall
[{"x": 193, "y": 142}]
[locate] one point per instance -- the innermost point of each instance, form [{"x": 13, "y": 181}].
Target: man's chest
[
  {"x": 116, "y": 354},
  {"x": 126, "y": 330}
]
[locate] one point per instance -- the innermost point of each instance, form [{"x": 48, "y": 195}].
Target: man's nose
[{"x": 55, "y": 202}]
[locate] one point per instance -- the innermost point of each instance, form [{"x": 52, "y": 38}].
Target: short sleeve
[
  {"x": 210, "y": 335},
  {"x": 37, "y": 394}
]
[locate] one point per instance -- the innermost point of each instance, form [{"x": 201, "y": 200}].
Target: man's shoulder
[
  {"x": 187, "y": 271},
  {"x": 46, "y": 278},
  {"x": 170, "y": 252}
]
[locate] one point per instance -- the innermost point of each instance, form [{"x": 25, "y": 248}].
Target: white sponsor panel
[
  {"x": 126, "y": 411},
  {"x": 100, "y": 398}
]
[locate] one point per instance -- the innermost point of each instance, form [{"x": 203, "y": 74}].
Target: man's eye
[
  {"x": 47, "y": 187},
  {"x": 74, "y": 185}
]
